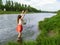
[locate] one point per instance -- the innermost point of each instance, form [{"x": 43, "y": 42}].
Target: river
[{"x": 30, "y": 29}]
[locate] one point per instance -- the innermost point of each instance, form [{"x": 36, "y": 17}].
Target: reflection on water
[{"x": 30, "y": 31}]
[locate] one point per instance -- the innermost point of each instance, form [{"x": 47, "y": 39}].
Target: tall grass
[
  {"x": 50, "y": 31},
  {"x": 23, "y": 43}
]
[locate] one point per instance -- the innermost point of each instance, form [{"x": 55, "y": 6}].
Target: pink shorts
[{"x": 19, "y": 28}]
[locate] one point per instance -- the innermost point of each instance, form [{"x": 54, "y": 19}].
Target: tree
[
  {"x": 1, "y": 5},
  {"x": 29, "y": 8},
  {"x": 12, "y": 6},
  {"x": 8, "y": 5},
  {"x": 15, "y": 6}
]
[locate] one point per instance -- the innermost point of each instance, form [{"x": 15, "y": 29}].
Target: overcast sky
[{"x": 46, "y": 5}]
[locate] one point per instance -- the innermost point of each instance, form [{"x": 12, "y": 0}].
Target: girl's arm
[{"x": 23, "y": 14}]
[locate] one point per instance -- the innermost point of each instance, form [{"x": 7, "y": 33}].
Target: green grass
[
  {"x": 23, "y": 43},
  {"x": 9, "y": 12},
  {"x": 50, "y": 31},
  {"x": 14, "y": 12}
]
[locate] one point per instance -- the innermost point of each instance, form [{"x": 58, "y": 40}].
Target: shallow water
[{"x": 30, "y": 31}]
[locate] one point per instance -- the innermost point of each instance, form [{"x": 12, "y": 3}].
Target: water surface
[{"x": 30, "y": 31}]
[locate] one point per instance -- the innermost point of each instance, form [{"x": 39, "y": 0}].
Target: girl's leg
[{"x": 19, "y": 35}]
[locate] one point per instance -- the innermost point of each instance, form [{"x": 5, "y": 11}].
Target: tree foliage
[
  {"x": 1, "y": 5},
  {"x": 15, "y": 6}
]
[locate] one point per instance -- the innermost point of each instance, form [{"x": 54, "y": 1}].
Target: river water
[{"x": 30, "y": 29}]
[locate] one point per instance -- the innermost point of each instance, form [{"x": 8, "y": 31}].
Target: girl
[{"x": 19, "y": 27}]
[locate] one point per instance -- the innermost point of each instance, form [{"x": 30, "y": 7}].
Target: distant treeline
[
  {"x": 15, "y": 6},
  {"x": 48, "y": 11}
]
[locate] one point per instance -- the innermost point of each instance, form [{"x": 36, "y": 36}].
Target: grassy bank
[
  {"x": 17, "y": 12},
  {"x": 50, "y": 32},
  {"x": 23, "y": 43},
  {"x": 14, "y": 12},
  {"x": 9, "y": 12}
]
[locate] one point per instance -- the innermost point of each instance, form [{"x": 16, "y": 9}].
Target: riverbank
[
  {"x": 14, "y": 12},
  {"x": 9, "y": 12},
  {"x": 17, "y": 12},
  {"x": 50, "y": 31}
]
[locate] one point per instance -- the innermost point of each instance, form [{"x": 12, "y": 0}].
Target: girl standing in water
[{"x": 19, "y": 27}]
